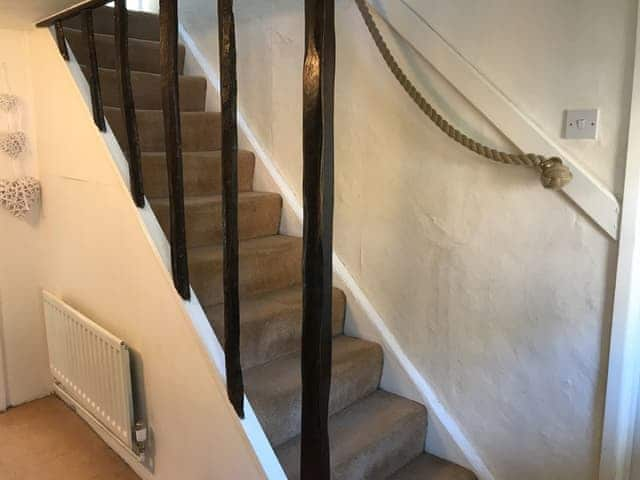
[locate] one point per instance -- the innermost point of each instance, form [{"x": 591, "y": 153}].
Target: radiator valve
[{"x": 141, "y": 435}]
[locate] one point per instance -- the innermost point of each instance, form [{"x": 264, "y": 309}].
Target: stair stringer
[
  {"x": 209, "y": 342},
  {"x": 445, "y": 437}
]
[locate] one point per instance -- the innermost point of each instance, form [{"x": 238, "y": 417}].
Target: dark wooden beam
[
  {"x": 128, "y": 108},
  {"x": 173, "y": 143},
  {"x": 229, "y": 103},
  {"x": 318, "y": 103},
  {"x": 62, "y": 44},
  {"x": 71, "y": 12},
  {"x": 94, "y": 77}
]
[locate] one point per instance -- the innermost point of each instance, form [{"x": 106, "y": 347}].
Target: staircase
[{"x": 374, "y": 434}]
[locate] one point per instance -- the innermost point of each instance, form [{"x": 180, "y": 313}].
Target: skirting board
[
  {"x": 445, "y": 437},
  {"x": 134, "y": 461}
]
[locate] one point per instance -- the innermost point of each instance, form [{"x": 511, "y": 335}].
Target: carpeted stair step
[
  {"x": 270, "y": 324},
  {"x": 201, "y": 170},
  {"x": 144, "y": 55},
  {"x": 371, "y": 439},
  {"x": 200, "y": 130},
  {"x": 275, "y": 388},
  {"x": 430, "y": 467},
  {"x": 267, "y": 263},
  {"x": 258, "y": 216},
  {"x": 147, "y": 90},
  {"x": 142, "y": 25}
]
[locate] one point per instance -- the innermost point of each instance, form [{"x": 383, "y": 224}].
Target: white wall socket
[{"x": 581, "y": 124}]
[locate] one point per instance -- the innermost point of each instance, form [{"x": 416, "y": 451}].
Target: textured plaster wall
[
  {"x": 498, "y": 291},
  {"x": 25, "y": 373}
]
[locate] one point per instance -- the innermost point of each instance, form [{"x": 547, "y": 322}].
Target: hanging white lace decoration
[
  {"x": 20, "y": 195},
  {"x": 13, "y": 144},
  {"x": 8, "y": 102}
]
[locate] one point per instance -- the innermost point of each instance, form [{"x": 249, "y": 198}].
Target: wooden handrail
[
  {"x": 318, "y": 152},
  {"x": 71, "y": 12}
]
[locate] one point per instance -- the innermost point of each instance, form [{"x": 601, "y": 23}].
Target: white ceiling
[{"x": 24, "y": 13}]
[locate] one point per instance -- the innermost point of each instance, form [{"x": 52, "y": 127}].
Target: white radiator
[{"x": 91, "y": 366}]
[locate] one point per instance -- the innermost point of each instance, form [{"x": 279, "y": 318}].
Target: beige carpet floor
[{"x": 45, "y": 440}]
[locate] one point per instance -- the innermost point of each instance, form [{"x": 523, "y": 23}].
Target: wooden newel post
[
  {"x": 229, "y": 104},
  {"x": 318, "y": 101},
  {"x": 173, "y": 143}
]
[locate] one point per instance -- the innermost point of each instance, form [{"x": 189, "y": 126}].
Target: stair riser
[
  {"x": 144, "y": 55},
  {"x": 278, "y": 335},
  {"x": 368, "y": 440},
  {"x": 257, "y": 217},
  {"x": 147, "y": 90},
  {"x": 142, "y": 25},
  {"x": 202, "y": 174},
  {"x": 352, "y": 378},
  {"x": 398, "y": 448},
  {"x": 200, "y": 130},
  {"x": 258, "y": 273}
]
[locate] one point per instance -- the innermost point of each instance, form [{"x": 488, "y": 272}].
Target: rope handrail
[{"x": 553, "y": 173}]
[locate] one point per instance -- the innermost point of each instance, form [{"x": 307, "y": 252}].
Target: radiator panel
[{"x": 91, "y": 365}]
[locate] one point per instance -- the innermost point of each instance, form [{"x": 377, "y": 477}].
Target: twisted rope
[{"x": 553, "y": 173}]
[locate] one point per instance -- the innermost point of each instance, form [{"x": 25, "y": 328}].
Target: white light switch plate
[{"x": 581, "y": 124}]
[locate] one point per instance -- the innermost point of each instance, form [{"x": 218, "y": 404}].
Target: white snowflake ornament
[{"x": 20, "y": 195}]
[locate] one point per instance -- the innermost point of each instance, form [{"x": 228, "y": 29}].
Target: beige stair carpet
[{"x": 374, "y": 434}]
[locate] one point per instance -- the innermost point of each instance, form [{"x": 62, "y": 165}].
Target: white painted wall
[
  {"x": 90, "y": 246},
  {"x": 25, "y": 351},
  {"x": 498, "y": 291}
]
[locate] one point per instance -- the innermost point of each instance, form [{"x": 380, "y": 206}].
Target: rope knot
[{"x": 554, "y": 174}]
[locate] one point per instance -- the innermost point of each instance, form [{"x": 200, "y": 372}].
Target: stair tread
[
  {"x": 200, "y": 130},
  {"x": 196, "y": 200},
  {"x": 202, "y": 172},
  {"x": 363, "y": 448},
  {"x": 266, "y": 264},
  {"x": 252, "y": 246},
  {"x": 143, "y": 54},
  {"x": 147, "y": 89},
  {"x": 271, "y": 323},
  {"x": 143, "y": 25},
  {"x": 434, "y": 468},
  {"x": 275, "y": 388},
  {"x": 258, "y": 216}
]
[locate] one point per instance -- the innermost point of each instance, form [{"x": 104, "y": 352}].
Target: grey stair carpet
[{"x": 374, "y": 434}]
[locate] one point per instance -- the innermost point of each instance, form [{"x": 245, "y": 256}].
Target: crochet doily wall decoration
[
  {"x": 20, "y": 195},
  {"x": 8, "y": 102},
  {"x": 13, "y": 144}
]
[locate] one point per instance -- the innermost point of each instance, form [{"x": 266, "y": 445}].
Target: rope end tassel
[{"x": 554, "y": 174}]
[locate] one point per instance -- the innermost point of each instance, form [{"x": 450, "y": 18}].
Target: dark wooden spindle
[
  {"x": 318, "y": 102},
  {"x": 121, "y": 30},
  {"x": 228, "y": 101},
  {"x": 62, "y": 44},
  {"x": 173, "y": 143},
  {"x": 94, "y": 76}
]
